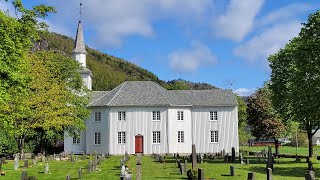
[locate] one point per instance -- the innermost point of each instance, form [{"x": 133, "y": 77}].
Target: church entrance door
[{"x": 139, "y": 143}]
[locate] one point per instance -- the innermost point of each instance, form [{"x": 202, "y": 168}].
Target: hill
[{"x": 109, "y": 71}]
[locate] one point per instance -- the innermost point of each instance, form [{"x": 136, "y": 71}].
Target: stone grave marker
[
  {"x": 68, "y": 177},
  {"x": 26, "y": 163},
  {"x": 194, "y": 157},
  {"x": 122, "y": 172},
  {"x": 79, "y": 173},
  {"x": 269, "y": 174},
  {"x": 16, "y": 164},
  {"x": 24, "y": 175},
  {"x": 310, "y": 175},
  {"x": 34, "y": 162},
  {"x": 233, "y": 155},
  {"x": 94, "y": 165},
  {"x": 241, "y": 159},
  {"x": 251, "y": 176},
  {"x": 139, "y": 172},
  {"x": 200, "y": 174},
  {"x": 310, "y": 166},
  {"x": 185, "y": 165},
  {"x": 90, "y": 165},
  {"x": 269, "y": 163},
  {"x": 247, "y": 161},
  {"x": 232, "y": 171},
  {"x": 46, "y": 169},
  {"x": 182, "y": 170}
]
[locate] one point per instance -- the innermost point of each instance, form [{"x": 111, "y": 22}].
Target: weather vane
[{"x": 80, "y": 10}]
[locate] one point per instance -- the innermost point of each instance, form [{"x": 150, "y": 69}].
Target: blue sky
[{"x": 224, "y": 43}]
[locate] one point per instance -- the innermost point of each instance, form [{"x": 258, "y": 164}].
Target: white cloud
[
  {"x": 190, "y": 60},
  {"x": 268, "y": 42},
  {"x": 244, "y": 91},
  {"x": 238, "y": 20},
  {"x": 285, "y": 13},
  {"x": 111, "y": 21}
]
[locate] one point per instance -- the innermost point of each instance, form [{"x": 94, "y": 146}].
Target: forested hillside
[{"x": 109, "y": 71}]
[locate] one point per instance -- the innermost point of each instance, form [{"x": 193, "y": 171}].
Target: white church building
[{"x": 143, "y": 117}]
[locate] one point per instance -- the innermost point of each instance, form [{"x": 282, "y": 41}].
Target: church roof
[
  {"x": 148, "y": 93},
  {"x": 79, "y": 46}
]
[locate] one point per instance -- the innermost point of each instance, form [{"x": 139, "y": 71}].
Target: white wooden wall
[
  {"x": 138, "y": 121},
  {"x": 102, "y": 127},
  {"x": 69, "y": 147},
  {"x": 226, "y": 125},
  {"x": 175, "y": 126}
]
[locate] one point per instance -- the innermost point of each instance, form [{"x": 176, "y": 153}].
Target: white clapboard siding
[
  {"x": 102, "y": 127},
  {"x": 138, "y": 121},
  {"x": 226, "y": 125},
  {"x": 69, "y": 147},
  {"x": 175, "y": 126}
]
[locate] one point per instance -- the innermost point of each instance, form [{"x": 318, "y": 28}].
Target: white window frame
[
  {"x": 76, "y": 140},
  {"x": 180, "y": 136},
  {"x": 156, "y": 137},
  {"x": 213, "y": 116},
  {"x": 214, "y": 136},
  {"x": 97, "y": 116},
  {"x": 121, "y": 115},
  {"x": 156, "y": 116},
  {"x": 97, "y": 138},
  {"x": 180, "y": 115},
  {"x": 121, "y": 137}
]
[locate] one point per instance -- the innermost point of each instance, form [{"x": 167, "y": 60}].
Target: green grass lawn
[
  {"x": 283, "y": 150},
  {"x": 286, "y": 169}
]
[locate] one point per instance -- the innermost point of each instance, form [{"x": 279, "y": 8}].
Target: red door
[{"x": 139, "y": 143}]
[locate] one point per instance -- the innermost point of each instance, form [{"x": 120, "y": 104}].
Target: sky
[{"x": 225, "y": 43}]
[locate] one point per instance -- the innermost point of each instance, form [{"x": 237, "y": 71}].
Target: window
[
  {"x": 214, "y": 136},
  {"x": 156, "y": 115},
  {"x": 97, "y": 138},
  {"x": 97, "y": 116},
  {"x": 156, "y": 137},
  {"x": 213, "y": 115},
  {"x": 180, "y": 136},
  {"x": 121, "y": 137},
  {"x": 180, "y": 115},
  {"x": 121, "y": 115},
  {"x": 76, "y": 140}
]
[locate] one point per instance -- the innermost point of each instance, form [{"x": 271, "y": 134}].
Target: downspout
[{"x": 167, "y": 128}]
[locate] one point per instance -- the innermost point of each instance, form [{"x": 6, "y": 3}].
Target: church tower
[{"x": 79, "y": 53}]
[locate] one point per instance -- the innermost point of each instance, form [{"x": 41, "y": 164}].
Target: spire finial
[{"x": 80, "y": 13}]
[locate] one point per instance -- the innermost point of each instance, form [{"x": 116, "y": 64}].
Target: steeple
[{"x": 79, "y": 46}]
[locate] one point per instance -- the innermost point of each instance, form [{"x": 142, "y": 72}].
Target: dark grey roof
[
  {"x": 79, "y": 46},
  {"x": 148, "y": 93}
]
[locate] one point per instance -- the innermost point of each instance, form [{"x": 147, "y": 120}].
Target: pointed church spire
[{"x": 79, "y": 46}]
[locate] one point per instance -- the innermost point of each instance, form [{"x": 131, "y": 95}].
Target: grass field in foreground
[{"x": 285, "y": 169}]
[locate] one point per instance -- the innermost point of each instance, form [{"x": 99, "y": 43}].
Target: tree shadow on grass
[{"x": 281, "y": 171}]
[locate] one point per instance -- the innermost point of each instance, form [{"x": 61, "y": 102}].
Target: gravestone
[
  {"x": 269, "y": 163},
  {"x": 72, "y": 157},
  {"x": 26, "y": 163},
  {"x": 138, "y": 159},
  {"x": 200, "y": 174},
  {"x": 241, "y": 159},
  {"x": 24, "y": 175},
  {"x": 185, "y": 165},
  {"x": 34, "y": 162},
  {"x": 225, "y": 158},
  {"x": 46, "y": 169},
  {"x": 309, "y": 175},
  {"x": 194, "y": 157},
  {"x": 80, "y": 173},
  {"x": 16, "y": 164},
  {"x": 68, "y": 177},
  {"x": 232, "y": 171},
  {"x": 251, "y": 176},
  {"x": 269, "y": 174},
  {"x": 310, "y": 166},
  {"x": 94, "y": 165},
  {"x": 139, "y": 173},
  {"x": 247, "y": 161},
  {"x": 122, "y": 172},
  {"x": 233, "y": 155},
  {"x": 121, "y": 162},
  {"x": 182, "y": 170},
  {"x": 89, "y": 165}
]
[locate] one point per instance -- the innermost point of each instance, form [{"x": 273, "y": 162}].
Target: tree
[
  {"x": 295, "y": 78},
  {"x": 262, "y": 118},
  {"x": 244, "y": 135},
  {"x": 55, "y": 101}
]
